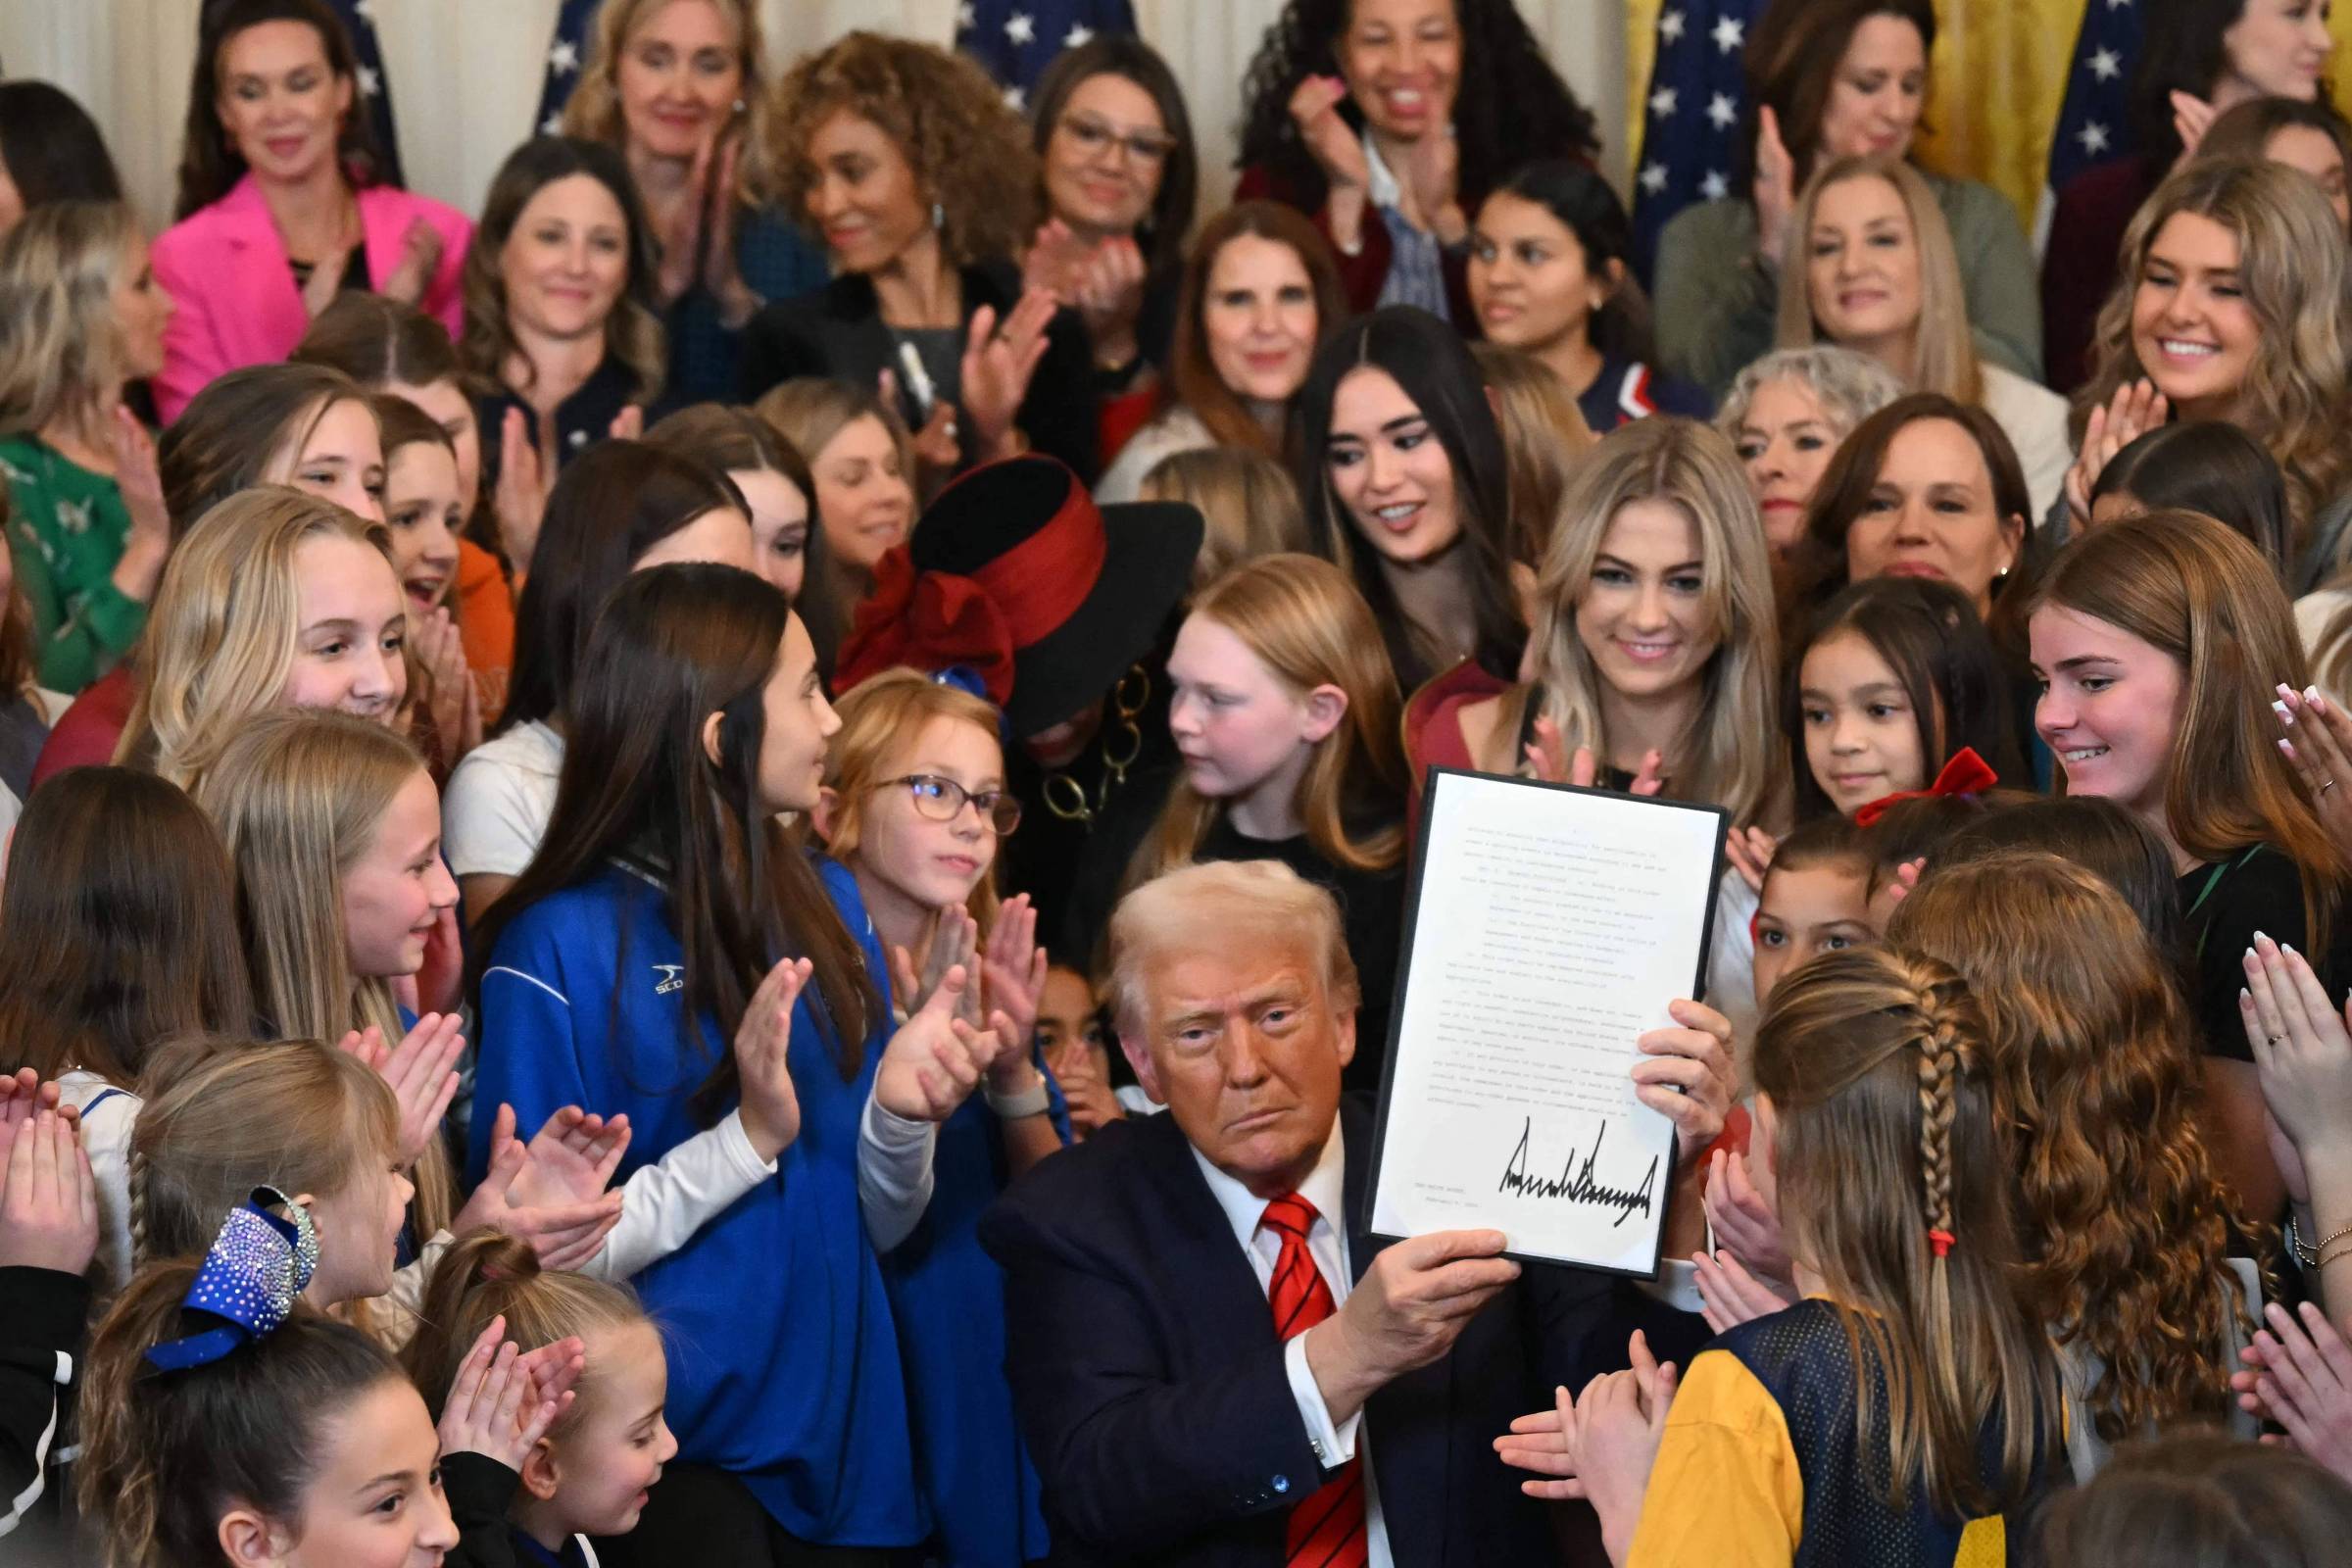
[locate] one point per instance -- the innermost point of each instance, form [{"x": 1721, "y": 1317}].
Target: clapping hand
[
  {"x": 2300, "y": 1376},
  {"x": 1750, "y": 850},
  {"x": 422, "y": 1072},
  {"x": 1600, "y": 1446},
  {"x": 933, "y": 1062},
  {"x": 564, "y": 1234},
  {"x": 1548, "y": 758},
  {"x": 502, "y": 1402},
  {"x": 1775, "y": 190},
  {"x": 419, "y": 260},
  {"x": 1013, "y": 972},
  {"x": 570, "y": 1159},
  {"x": 770, "y": 1105},
  {"x": 2135, "y": 409},
  {"x": 457, "y": 711},
  {"x": 2193, "y": 118},
  {"x": 1334, "y": 146},
  {"x": 2317, "y": 742},
  {"x": 1744, "y": 1219},
  {"x": 48, "y": 1197},
  {"x": 2301, "y": 1048},
  {"x": 1729, "y": 1295},
  {"x": 998, "y": 365}
]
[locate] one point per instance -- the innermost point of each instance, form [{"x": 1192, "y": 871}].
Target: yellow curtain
[{"x": 2000, "y": 70}]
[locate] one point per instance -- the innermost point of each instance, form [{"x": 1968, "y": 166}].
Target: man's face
[{"x": 1241, "y": 1043}]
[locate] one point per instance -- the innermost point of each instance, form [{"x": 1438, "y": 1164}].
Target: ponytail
[
  {"x": 484, "y": 1275},
  {"x": 164, "y": 1454}
]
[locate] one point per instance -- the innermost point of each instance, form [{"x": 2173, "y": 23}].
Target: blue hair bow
[{"x": 256, "y": 1266}]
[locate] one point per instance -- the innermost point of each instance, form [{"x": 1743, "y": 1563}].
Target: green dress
[{"x": 66, "y": 528}]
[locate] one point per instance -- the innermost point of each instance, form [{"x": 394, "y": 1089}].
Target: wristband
[{"x": 1033, "y": 1101}]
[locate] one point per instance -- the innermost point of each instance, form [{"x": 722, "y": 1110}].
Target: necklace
[{"x": 1123, "y": 742}]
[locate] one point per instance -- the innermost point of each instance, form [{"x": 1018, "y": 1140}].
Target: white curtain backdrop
[{"x": 465, "y": 73}]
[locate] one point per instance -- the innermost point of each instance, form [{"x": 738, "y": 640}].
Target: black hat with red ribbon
[{"x": 1014, "y": 573}]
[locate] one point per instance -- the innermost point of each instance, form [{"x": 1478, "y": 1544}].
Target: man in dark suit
[{"x": 1204, "y": 1348}]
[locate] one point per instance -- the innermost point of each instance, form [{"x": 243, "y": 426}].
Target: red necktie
[{"x": 1326, "y": 1528}]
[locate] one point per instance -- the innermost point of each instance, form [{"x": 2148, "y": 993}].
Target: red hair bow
[
  {"x": 930, "y": 620},
  {"x": 1966, "y": 773}
]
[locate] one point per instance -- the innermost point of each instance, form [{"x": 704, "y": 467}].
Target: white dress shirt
[{"x": 1325, "y": 1187}]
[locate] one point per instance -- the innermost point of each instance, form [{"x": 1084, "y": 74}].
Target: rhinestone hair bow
[{"x": 258, "y": 1265}]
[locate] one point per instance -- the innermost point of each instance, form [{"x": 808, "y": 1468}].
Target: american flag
[
  {"x": 359, "y": 21},
  {"x": 565, "y": 54},
  {"x": 1016, "y": 40},
  {"x": 1690, "y": 124},
  {"x": 2095, "y": 124}
]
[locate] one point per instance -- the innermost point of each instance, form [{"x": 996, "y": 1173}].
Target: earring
[
  {"x": 740, "y": 106},
  {"x": 938, "y": 215}
]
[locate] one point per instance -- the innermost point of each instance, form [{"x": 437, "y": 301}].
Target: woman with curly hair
[
  {"x": 1355, "y": 117},
  {"x": 1829, "y": 79},
  {"x": 2233, "y": 303},
  {"x": 680, "y": 89},
  {"x": 2124, "y": 1224},
  {"x": 924, "y": 186}
]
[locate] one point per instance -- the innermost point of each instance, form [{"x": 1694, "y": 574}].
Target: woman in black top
[{"x": 923, "y": 185}]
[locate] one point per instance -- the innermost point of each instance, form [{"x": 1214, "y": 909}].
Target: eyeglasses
[
  {"x": 943, "y": 800},
  {"x": 1096, "y": 137}
]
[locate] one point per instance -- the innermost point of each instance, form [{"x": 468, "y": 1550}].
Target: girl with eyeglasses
[{"x": 916, "y": 806}]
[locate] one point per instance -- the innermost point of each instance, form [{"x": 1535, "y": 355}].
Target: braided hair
[{"x": 1893, "y": 1191}]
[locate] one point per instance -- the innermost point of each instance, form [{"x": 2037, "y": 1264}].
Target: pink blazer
[{"x": 225, "y": 268}]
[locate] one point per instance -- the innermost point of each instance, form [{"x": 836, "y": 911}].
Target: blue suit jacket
[{"x": 1150, "y": 1387}]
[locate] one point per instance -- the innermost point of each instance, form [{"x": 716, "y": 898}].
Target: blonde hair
[
  {"x": 1544, "y": 435},
  {"x": 1248, "y": 500},
  {"x": 1731, "y": 756},
  {"x": 1886, "y": 1141},
  {"x": 879, "y": 716},
  {"x": 299, "y": 796},
  {"x": 1260, "y": 902},
  {"x": 809, "y": 411},
  {"x": 485, "y": 1275},
  {"x": 592, "y": 112},
  {"x": 2293, "y": 268},
  {"x": 221, "y": 635},
  {"x": 221, "y": 1117},
  {"x": 1943, "y": 355},
  {"x": 1304, "y": 619},
  {"x": 59, "y": 348}
]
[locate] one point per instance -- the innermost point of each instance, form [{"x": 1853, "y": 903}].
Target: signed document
[{"x": 1550, "y": 926}]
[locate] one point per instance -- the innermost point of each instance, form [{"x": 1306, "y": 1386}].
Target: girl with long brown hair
[
  {"x": 2158, "y": 642},
  {"x": 2093, "y": 1072},
  {"x": 1907, "y": 1408},
  {"x": 1286, "y": 716}
]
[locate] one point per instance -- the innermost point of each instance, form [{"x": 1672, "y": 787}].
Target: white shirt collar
[
  {"x": 1325, "y": 1187},
  {"x": 1380, "y": 183}
]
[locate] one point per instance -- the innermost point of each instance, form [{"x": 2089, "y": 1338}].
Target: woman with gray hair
[{"x": 1785, "y": 415}]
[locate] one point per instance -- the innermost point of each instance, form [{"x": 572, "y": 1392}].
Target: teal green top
[{"x": 66, "y": 527}]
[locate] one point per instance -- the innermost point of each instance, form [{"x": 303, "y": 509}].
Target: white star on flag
[
  {"x": 1020, "y": 29},
  {"x": 1722, "y": 110},
  {"x": 2093, "y": 137},
  {"x": 365, "y": 10},
  {"x": 966, "y": 19},
  {"x": 563, "y": 57},
  {"x": 1729, "y": 34},
  {"x": 1714, "y": 186},
  {"x": 1653, "y": 177},
  {"x": 1015, "y": 99},
  {"x": 2105, "y": 64},
  {"x": 2117, "y": 5},
  {"x": 1662, "y": 103},
  {"x": 369, "y": 82},
  {"x": 1669, "y": 27},
  {"x": 1078, "y": 37}
]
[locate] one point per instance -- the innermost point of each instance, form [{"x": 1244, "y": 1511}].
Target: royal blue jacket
[{"x": 784, "y": 1367}]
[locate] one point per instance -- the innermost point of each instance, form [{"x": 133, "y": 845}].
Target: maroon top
[
  {"x": 2078, "y": 269},
  {"x": 1362, "y": 274},
  {"x": 87, "y": 733}
]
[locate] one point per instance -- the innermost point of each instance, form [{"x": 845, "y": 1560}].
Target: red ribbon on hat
[
  {"x": 929, "y": 620},
  {"x": 1966, "y": 773}
]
